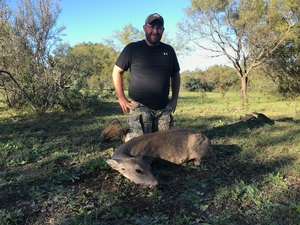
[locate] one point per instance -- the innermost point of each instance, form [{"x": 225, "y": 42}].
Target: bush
[
  {"x": 70, "y": 99},
  {"x": 208, "y": 86},
  {"x": 193, "y": 85}
]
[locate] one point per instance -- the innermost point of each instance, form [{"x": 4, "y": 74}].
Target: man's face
[{"x": 153, "y": 32}]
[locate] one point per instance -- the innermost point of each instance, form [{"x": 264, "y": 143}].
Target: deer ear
[{"x": 114, "y": 163}]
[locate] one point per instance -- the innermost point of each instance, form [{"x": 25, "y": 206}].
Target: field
[{"x": 53, "y": 169}]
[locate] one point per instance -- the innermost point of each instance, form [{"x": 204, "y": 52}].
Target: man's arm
[
  {"x": 175, "y": 86},
  {"x": 118, "y": 85}
]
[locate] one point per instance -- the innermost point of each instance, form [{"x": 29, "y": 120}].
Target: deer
[
  {"x": 134, "y": 158},
  {"x": 114, "y": 129}
]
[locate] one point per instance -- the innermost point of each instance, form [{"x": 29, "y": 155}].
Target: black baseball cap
[{"x": 154, "y": 16}]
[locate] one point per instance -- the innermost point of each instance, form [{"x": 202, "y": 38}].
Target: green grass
[{"x": 53, "y": 170}]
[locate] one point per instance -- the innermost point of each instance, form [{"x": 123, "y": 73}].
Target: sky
[{"x": 97, "y": 20}]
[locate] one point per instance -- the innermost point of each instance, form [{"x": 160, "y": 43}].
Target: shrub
[
  {"x": 193, "y": 85},
  {"x": 208, "y": 86}
]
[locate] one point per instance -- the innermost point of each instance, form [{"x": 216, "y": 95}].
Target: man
[{"x": 153, "y": 66}]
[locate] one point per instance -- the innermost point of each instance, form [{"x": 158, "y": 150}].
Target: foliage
[
  {"x": 14, "y": 217},
  {"x": 5, "y": 30},
  {"x": 28, "y": 73},
  {"x": 86, "y": 71},
  {"x": 95, "y": 61},
  {"x": 284, "y": 69},
  {"x": 53, "y": 168},
  {"x": 208, "y": 86},
  {"x": 129, "y": 34},
  {"x": 193, "y": 84},
  {"x": 8, "y": 44},
  {"x": 223, "y": 77},
  {"x": 38, "y": 70},
  {"x": 214, "y": 78},
  {"x": 124, "y": 36},
  {"x": 246, "y": 32}
]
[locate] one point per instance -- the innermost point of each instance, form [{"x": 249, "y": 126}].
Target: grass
[{"x": 53, "y": 170}]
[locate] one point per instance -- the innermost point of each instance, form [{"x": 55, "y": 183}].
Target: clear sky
[{"x": 96, "y": 20}]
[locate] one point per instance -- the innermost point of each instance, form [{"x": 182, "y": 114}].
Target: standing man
[{"x": 153, "y": 69}]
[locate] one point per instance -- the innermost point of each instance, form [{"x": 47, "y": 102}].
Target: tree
[
  {"x": 193, "y": 84},
  {"x": 284, "y": 68},
  {"x": 5, "y": 14},
  {"x": 247, "y": 32},
  {"x": 10, "y": 51},
  {"x": 124, "y": 36},
  {"x": 85, "y": 71},
  {"x": 284, "y": 64},
  {"x": 223, "y": 77},
  {"x": 130, "y": 34},
  {"x": 95, "y": 61},
  {"x": 31, "y": 67}
]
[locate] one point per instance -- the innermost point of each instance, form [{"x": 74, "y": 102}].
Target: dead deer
[
  {"x": 258, "y": 118},
  {"x": 134, "y": 158},
  {"x": 114, "y": 129}
]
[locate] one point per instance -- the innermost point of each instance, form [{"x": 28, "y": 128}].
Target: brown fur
[
  {"x": 175, "y": 146},
  {"x": 114, "y": 129}
]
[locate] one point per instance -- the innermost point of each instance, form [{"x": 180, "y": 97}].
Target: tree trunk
[{"x": 244, "y": 88}]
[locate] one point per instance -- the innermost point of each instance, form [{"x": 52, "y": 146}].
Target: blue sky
[{"x": 96, "y": 20}]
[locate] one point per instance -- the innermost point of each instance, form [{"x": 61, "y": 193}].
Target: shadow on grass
[
  {"x": 179, "y": 195},
  {"x": 95, "y": 193},
  {"x": 58, "y": 125},
  {"x": 233, "y": 129}
]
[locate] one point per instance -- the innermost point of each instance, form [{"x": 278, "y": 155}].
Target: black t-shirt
[{"x": 151, "y": 68}]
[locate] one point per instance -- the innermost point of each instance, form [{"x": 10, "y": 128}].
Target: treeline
[
  {"x": 252, "y": 35},
  {"x": 38, "y": 71},
  {"x": 222, "y": 78}
]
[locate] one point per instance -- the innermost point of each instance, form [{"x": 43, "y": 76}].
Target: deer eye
[
  {"x": 139, "y": 171},
  {"x": 122, "y": 168}
]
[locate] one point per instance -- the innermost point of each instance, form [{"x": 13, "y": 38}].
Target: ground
[{"x": 53, "y": 171}]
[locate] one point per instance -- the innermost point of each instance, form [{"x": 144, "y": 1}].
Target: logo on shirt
[{"x": 165, "y": 53}]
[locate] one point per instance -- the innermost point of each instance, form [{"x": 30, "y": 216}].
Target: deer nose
[{"x": 154, "y": 185}]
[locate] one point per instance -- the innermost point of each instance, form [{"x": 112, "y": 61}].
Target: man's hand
[{"x": 125, "y": 104}]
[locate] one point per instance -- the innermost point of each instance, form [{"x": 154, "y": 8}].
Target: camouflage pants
[{"x": 143, "y": 120}]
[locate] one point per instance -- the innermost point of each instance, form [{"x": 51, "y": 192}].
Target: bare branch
[{"x": 246, "y": 32}]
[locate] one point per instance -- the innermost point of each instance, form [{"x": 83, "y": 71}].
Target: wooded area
[
  {"x": 249, "y": 33},
  {"x": 37, "y": 70}
]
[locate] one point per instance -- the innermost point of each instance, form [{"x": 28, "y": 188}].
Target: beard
[{"x": 154, "y": 39}]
